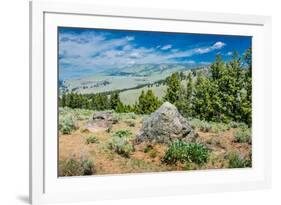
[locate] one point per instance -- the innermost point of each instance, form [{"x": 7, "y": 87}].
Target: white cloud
[
  {"x": 166, "y": 47},
  {"x": 130, "y": 38},
  {"x": 89, "y": 50},
  {"x": 216, "y": 46}
]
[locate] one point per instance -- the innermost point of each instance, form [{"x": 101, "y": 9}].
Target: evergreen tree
[
  {"x": 184, "y": 104},
  {"x": 100, "y": 102},
  {"x": 188, "y": 97},
  {"x": 246, "y": 106},
  {"x": 120, "y": 108},
  {"x": 147, "y": 103},
  {"x": 202, "y": 99},
  {"x": 63, "y": 100},
  {"x": 114, "y": 100},
  {"x": 173, "y": 89}
]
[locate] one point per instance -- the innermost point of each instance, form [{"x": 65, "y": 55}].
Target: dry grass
[{"x": 107, "y": 161}]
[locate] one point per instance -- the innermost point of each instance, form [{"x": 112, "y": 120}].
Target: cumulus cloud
[
  {"x": 91, "y": 50},
  {"x": 166, "y": 47},
  {"x": 216, "y": 46}
]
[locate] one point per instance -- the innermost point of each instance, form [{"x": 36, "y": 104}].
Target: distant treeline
[{"x": 223, "y": 94}]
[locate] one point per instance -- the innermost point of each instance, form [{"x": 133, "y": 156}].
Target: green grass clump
[
  {"x": 150, "y": 151},
  {"x": 122, "y": 133},
  {"x": 91, "y": 139},
  {"x": 237, "y": 161},
  {"x": 74, "y": 167},
  {"x": 186, "y": 153},
  {"x": 147, "y": 148},
  {"x": 243, "y": 135}
]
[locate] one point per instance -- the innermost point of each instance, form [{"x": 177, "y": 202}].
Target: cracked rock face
[{"x": 165, "y": 125}]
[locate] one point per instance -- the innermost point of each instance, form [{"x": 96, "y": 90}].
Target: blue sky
[{"x": 89, "y": 51}]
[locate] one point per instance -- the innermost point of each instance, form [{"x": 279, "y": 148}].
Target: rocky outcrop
[
  {"x": 104, "y": 116},
  {"x": 101, "y": 121},
  {"x": 165, "y": 125}
]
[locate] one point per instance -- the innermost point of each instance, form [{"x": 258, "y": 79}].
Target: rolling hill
[{"x": 130, "y": 77}]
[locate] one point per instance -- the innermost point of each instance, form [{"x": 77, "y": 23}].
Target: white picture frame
[{"x": 46, "y": 187}]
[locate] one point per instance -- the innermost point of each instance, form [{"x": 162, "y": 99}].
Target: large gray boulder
[{"x": 165, "y": 125}]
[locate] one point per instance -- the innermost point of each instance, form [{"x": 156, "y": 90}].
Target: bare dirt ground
[{"x": 108, "y": 162}]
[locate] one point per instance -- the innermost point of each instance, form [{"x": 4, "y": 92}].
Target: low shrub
[
  {"x": 87, "y": 167},
  {"x": 219, "y": 127},
  {"x": 91, "y": 139},
  {"x": 241, "y": 125},
  {"x": 122, "y": 133},
  {"x": 200, "y": 124},
  {"x": 67, "y": 123},
  {"x": 243, "y": 135},
  {"x": 186, "y": 153},
  {"x": 83, "y": 114},
  {"x": 74, "y": 167},
  {"x": 79, "y": 114},
  {"x": 195, "y": 123},
  {"x": 121, "y": 146},
  {"x": 237, "y": 161},
  {"x": 205, "y": 126}
]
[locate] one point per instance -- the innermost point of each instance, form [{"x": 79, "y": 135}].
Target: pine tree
[
  {"x": 147, "y": 103},
  {"x": 184, "y": 104},
  {"x": 200, "y": 95},
  {"x": 246, "y": 107},
  {"x": 114, "y": 100},
  {"x": 63, "y": 100},
  {"x": 120, "y": 108},
  {"x": 188, "y": 97},
  {"x": 173, "y": 89}
]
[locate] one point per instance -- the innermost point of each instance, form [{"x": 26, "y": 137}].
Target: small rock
[
  {"x": 101, "y": 121},
  {"x": 105, "y": 116}
]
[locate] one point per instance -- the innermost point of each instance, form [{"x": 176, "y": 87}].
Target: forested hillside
[{"x": 221, "y": 93}]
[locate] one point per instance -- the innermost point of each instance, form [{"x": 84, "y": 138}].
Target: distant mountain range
[
  {"x": 123, "y": 78},
  {"x": 146, "y": 70}
]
